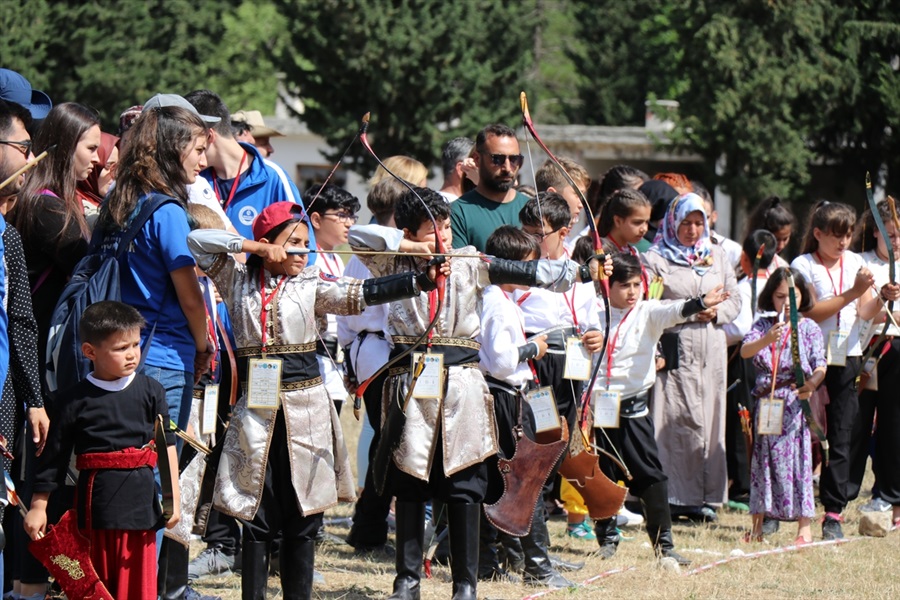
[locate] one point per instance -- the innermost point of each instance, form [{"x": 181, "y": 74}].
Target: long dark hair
[
  {"x": 834, "y": 218},
  {"x": 63, "y": 127},
  {"x": 152, "y": 162},
  {"x": 621, "y": 204}
]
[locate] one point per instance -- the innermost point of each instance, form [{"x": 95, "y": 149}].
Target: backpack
[{"x": 95, "y": 278}]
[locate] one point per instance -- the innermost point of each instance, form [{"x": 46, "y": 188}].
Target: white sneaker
[
  {"x": 875, "y": 505},
  {"x": 626, "y": 518}
]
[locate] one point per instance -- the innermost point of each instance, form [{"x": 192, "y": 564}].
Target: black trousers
[
  {"x": 467, "y": 486},
  {"x": 886, "y": 459},
  {"x": 635, "y": 442},
  {"x": 735, "y": 443},
  {"x": 550, "y": 370},
  {"x": 278, "y": 509},
  {"x": 840, "y": 414},
  {"x": 370, "y": 515},
  {"x": 506, "y": 413}
]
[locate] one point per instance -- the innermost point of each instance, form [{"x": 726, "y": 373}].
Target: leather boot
[
  {"x": 172, "y": 577},
  {"x": 607, "y": 537},
  {"x": 489, "y": 568},
  {"x": 254, "y": 571},
  {"x": 655, "y": 501},
  {"x": 510, "y": 554},
  {"x": 297, "y": 580},
  {"x": 410, "y": 550},
  {"x": 538, "y": 569},
  {"x": 463, "y": 523}
]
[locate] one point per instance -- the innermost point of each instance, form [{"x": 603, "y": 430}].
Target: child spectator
[{"x": 108, "y": 420}]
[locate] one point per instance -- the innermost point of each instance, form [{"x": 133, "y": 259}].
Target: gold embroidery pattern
[
  {"x": 296, "y": 385},
  {"x": 255, "y": 351},
  {"x": 438, "y": 341},
  {"x": 69, "y": 565}
]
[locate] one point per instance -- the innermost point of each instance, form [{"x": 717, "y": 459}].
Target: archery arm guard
[
  {"x": 381, "y": 290},
  {"x": 518, "y": 272},
  {"x": 528, "y": 351},
  {"x": 692, "y": 307}
]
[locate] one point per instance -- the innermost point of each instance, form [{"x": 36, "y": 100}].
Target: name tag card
[
  {"x": 578, "y": 360},
  {"x": 838, "y": 344},
  {"x": 606, "y": 408},
  {"x": 209, "y": 409},
  {"x": 264, "y": 383},
  {"x": 543, "y": 405},
  {"x": 430, "y": 383},
  {"x": 770, "y": 417}
]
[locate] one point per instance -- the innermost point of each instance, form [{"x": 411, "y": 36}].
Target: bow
[
  {"x": 598, "y": 250},
  {"x": 882, "y": 229},
  {"x": 798, "y": 368},
  {"x": 440, "y": 280}
]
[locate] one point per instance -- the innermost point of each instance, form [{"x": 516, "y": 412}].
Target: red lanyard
[
  {"x": 570, "y": 301},
  {"x": 266, "y": 300},
  {"x": 833, "y": 288},
  {"x": 333, "y": 270},
  {"x": 234, "y": 184},
  {"x": 611, "y": 347},
  {"x": 213, "y": 339},
  {"x": 524, "y": 335}
]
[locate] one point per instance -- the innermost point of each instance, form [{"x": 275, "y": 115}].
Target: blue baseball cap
[{"x": 15, "y": 88}]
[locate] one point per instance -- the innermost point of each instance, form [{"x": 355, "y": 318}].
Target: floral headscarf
[{"x": 698, "y": 256}]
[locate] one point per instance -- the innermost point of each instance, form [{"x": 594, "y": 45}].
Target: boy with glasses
[
  {"x": 494, "y": 202},
  {"x": 332, "y": 211}
]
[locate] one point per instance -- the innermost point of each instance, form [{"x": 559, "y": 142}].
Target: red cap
[{"x": 274, "y": 215}]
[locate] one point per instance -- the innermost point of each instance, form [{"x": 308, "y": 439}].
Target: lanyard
[
  {"x": 833, "y": 288},
  {"x": 333, "y": 270},
  {"x": 234, "y": 184},
  {"x": 570, "y": 301},
  {"x": 214, "y": 340},
  {"x": 534, "y": 374},
  {"x": 611, "y": 347},
  {"x": 266, "y": 300}
]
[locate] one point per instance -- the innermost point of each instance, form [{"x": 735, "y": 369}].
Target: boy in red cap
[{"x": 283, "y": 459}]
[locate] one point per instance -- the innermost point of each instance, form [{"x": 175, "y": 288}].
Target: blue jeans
[{"x": 179, "y": 387}]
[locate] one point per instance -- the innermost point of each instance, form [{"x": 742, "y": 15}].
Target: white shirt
[
  {"x": 371, "y": 352},
  {"x": 818, "y": 276},
  {"x": 881, "y": 271},
  {"x": 332, "y": 371},
  {"x": 545, "y": 310},
  {"x": 740, "y": 326},
  {"x": 201, "y": 192},
  {"x": 502, "y": 333},
  {"x": 732, "y": 249},
  {"x": 634, "y": 355}
]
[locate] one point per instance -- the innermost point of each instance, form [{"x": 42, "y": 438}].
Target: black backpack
[{"x": 95, "y": 278}]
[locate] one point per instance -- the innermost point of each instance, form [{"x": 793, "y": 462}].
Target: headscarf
[
  {"x": 698, "y": 256},
  {"x": 89, "y": 189}
]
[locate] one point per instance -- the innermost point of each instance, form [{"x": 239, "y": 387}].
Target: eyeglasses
[
  {"x": 343, "y": 217},
  {"x": 541, "y": 236},
  {"x": 515, "y": 160},
  {"x": 23, "y": 147}
]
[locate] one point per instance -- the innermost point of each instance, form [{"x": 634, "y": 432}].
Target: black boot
[
  {"x": 537, "y": 567},
  {"x": 463, "y": 523},
  {"x": 510, "y": 554},
  {"x": 297, "y": 579},
  {"x": 172, "y": 577},
  {"x": 255, "y": 570},
  {"x": 655, "y": 500},
  {"x": 489, "y": 568},
  {"x": 607, "y": 537},
  {"x": 410, "y": 550}
]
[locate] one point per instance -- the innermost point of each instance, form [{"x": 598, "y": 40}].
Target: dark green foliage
[{"x": 428, "y": 70}]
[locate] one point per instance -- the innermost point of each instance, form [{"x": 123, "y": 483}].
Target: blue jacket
[{"x": 263, "y": 184}]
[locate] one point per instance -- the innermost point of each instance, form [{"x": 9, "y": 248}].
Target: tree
[{"x": 428, "y": 70}]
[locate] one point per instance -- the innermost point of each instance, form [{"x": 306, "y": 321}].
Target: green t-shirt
[{"x": 474, "y": 218}]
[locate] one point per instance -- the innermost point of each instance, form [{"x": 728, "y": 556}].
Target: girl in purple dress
[{"x": 781, "y": 484}]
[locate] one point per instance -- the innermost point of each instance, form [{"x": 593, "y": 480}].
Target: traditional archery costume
[
  {"x": 445, "y": 441},
  {"x": 505, "y": 359},
  {"x": 881, "y": 401},
  {"x": 629, "y": 369},
  {"x": 282, "y": 468},
  {"x": 781, "y": 485},
  {"x": 108, "y": 425}
]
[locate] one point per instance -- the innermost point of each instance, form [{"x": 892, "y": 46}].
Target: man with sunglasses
[{"x": 494, "y": 202}]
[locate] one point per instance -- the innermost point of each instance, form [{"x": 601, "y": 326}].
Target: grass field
[{"x": 864, "y": 568}]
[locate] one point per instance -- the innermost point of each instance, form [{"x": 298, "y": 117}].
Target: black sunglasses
[
  {"x": 515, "y": 160},
  {"x": 23, "y": 147}
]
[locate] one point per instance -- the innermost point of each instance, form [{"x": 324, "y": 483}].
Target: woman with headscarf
[
  {"x": 689, "y": 395},
  {"x": 92, "y": 190}
]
